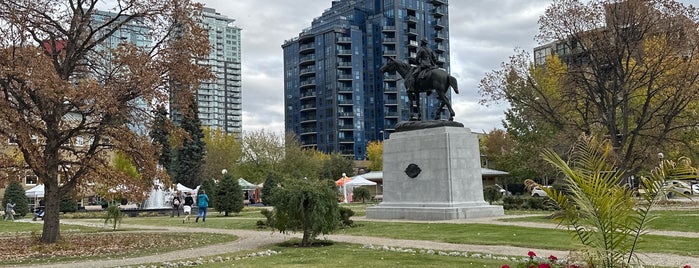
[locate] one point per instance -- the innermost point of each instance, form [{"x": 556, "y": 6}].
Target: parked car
[
  {"x": 537, "y": 191},
  {"x": 680, "y": 187},
  {"x": 695, "y": 188}
]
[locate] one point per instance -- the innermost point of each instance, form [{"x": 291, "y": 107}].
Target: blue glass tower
[{"x": 336, "y": 99}]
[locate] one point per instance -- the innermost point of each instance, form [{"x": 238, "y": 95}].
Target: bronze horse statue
[{"x": 437, "y": 80}]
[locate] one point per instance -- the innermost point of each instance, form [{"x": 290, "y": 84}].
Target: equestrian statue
[{"x": 426, "y": 77}]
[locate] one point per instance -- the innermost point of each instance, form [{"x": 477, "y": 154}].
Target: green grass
[
  {"x": 16, "y": 227},
  {"x": 667, "y": 220},
  {"x": 346, "y": 255}
]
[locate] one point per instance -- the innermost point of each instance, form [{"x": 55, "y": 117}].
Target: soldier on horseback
[{"x": 425, "y": 60}]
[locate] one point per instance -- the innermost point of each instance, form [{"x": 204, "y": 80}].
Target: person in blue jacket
[{"x": 202, "y": 205}]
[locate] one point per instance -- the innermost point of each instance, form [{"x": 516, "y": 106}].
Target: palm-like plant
[{"x": 604, "y": 215}]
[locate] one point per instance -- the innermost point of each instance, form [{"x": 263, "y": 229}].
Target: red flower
[
  {"x": 552, "y": 258},
  {"x": 531, "y": 254},
  {"x": 686, "y": 266},
  {"x": 505, "y": 266},
  {"x": 544, "y": 265},
  {"x": 532, "y": 266},
  {"x": 572, "y": 266}
]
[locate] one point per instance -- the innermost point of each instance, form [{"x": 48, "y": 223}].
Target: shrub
[
  {"x": 309, "y": 206},
  {"x": 345, "y": 214},
  {"x": 113, "y": 215},
  {"x": 361, "y": 193},
  {"x": 491, "y": 194},
  {"x": 68, "y": 204},
  {"x": 16, "y": 194},
  {"x": 229, "y": 196}
]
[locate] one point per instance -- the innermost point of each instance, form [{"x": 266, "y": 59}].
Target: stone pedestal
[{"x": 432, "y": 174}]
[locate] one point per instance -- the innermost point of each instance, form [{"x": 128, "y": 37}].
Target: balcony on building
[
  {"x": 413, "y": 43},
  {"x": 344, "y": 89},
  {"x": 308, "y": 82},
  {"x": 391, "y": 76},
  {"x": 439, "y": 2},
  {"x": 388, "y": 28},
  {"x": 307, "y": 59},
  {"x": 306, "y": 48},
  {"x": 344, "y": 52},
  {"x": 438, "y": 12},
  {"x": 344, "y": 40},
  {"x": 345, "y": 102},
  {"x": 412, "y": 31},
  {"x": 390, "y": 89},
  {"x": 307, "y": 71},
  {"x": 308, "y": 119},
  {"x": 439, "y": 24},
  {"x": 346, "y": 139},
  {"x": 391, "y": 114},
  {"x": 390, "y": 52},
  {"x": 343, "y": 114},
  {"x": 308, "y": 95},
  {"x": 308, "y": 107},
  {"x": 389, "y": 40},
  {"x": 439, "y": 36},
  {"x": 440, "y": 48},
  {"x": 344, "y": 64},
  {"x": 344, "y": 77},
  {"x": 390, "y": 102},
  {"x": 309, "y": 131},
  {"x": 412, "y": 19}
]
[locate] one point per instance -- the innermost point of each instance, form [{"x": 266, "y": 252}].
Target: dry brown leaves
[{"x": 22, "y": 248}]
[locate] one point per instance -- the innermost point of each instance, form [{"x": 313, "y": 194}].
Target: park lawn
[
  {"x": 666, "y": 220},
  {"x": 343, "y": 255},
  {"x": 479, "y": 234},
  {"x": 212, "y": 221},
  {"x": 17, "y": 227}
]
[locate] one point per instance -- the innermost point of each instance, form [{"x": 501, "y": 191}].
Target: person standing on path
[
  {"x": 202, "y": 205},
  {"x": 176, "y": 204},
  {"x": 188, "y": 202},
  {"x": 10, "y": 211}
]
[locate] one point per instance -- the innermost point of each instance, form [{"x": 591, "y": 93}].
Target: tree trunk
[{"x": 52, "y": 230}]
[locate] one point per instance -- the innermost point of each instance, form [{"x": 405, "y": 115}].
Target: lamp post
[{"x": 344, "y": 188}]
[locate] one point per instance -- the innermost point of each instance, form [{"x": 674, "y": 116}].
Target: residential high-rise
[
  {"x": 336, "y": 99},
  {"x": 220, "y": 100}
]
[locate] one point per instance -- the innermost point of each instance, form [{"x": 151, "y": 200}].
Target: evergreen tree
[
  {"x": 160, "y": 134},
  {"x": 229, "y": 196},
  {"x": 189, "y": 159},
  {"x": 209, "y": 186},
  {"x": 268, "y": 190},
  {"x": 14, "y": 193}
]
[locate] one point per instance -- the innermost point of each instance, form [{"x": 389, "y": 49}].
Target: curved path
[{"x": 250, "y": 240}]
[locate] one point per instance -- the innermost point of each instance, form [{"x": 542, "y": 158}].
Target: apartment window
[{"x": 30, "y": 178}]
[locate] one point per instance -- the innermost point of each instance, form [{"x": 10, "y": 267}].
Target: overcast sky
[{"x": 482, "y": 34}]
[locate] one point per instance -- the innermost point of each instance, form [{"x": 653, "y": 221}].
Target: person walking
[
  {"x": 188, "y": 203},
  {"x": 176, "y": 204},
  {"x": 10, "y": 211},
  {"x": 202, "y": 205}
]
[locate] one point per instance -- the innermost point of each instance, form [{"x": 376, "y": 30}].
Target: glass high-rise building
[
  {"x": 220, "y": 100},
  {"x": 336, "y": 99}
]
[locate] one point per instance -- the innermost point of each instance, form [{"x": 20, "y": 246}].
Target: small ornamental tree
[
  {"x": 309, "y": 206},
  {"x": 229, "y": 196},
  {"x": 14, "y": 193},
  {"x": 361, "y": 193},
  {"x": 491, "y": 194}
]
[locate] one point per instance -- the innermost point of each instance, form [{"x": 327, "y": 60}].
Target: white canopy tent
[
  {"x": 36, "y": 192},
  {"x": 183, "y": 188},
  {"x": 358, "y": 181}
]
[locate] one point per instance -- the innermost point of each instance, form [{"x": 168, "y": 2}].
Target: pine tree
[
  {"x": 189, "y": 159},
  {"x": 160, "y": 134},
  {"x": 268, "y": 190},
  {"x": 14, "y": 193},
  {"x": 229, "y": 196}
]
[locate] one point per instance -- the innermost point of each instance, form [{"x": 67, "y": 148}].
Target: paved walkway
[{"x": 249, "y": 239}]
